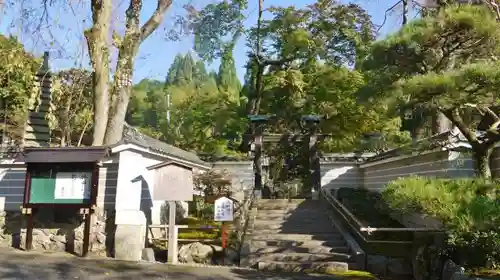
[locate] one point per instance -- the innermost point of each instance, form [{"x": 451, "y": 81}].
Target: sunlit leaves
[
  {"x": 334, "y": 32},
  {"x": 72, "y": 105},
  {"x": 215, "y": 26},
  {"x": 17, "y": 83},
  {"x": 474, "y": 84}
]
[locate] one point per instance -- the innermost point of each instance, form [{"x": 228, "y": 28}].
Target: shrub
[{"x": 469, "y": 209}]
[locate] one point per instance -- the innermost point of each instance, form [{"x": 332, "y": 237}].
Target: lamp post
[
  {"x": 258, "y": 122},
  {"x": 311, "y": 125}
]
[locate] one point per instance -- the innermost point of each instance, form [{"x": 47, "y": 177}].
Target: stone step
[
  {"x": 313, "y": 267},
  {"x": 288, "y": 211},
  {"x": 280, "y": 201},
  {"x": 338, "y": 245},
  {"x": 301, "y": 257},
  {"x": 298, "y": 249},
  {"x": 275, "y": 215},
  {"x": 295, "y": 231},
  {"x": 295, "y": 237},
  {"x": 294, "y": 226}
]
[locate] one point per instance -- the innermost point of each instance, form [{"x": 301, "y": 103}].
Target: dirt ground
[{"x": 15, "y": 264}]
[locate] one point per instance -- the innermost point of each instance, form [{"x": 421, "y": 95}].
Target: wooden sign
[
  {"x": 223, "y": 210},
  {"x": 73, "y": 185},
  {"x": 52, "y": 186},
  {"x": 172, "y": 182}
]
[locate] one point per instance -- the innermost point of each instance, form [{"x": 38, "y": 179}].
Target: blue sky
[{"x": 62, "y": 33}]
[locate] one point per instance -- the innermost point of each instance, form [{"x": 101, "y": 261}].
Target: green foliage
[
  {"x": 72, "y": 105},
  {"x": 214, "y": 24},
  {"x": 213, "y": 183},
  {"x": 455, "y": 36},
  {"x": 471, "y": 84},
  {"x": 18, "y": 89},
  {"x": 336, "y": 33},
  {"x": 469, "y": 209}
]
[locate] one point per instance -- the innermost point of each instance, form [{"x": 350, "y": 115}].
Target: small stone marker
[{"x": 223, "y": 210}]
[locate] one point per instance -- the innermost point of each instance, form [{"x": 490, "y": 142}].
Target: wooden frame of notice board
[{"x": 65, "y": 177}]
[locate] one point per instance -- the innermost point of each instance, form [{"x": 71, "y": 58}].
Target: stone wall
[
  {"x": 58, "y": 234},
  {"x": 242, "y": 176}
]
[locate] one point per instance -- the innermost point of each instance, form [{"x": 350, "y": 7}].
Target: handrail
[
  {"x": 358, "y": 233},
  {"x": 364, "y": 228}
]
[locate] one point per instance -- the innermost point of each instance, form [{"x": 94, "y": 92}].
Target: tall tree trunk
[
  {"x": 481, "y": 150},
  {"x": 122, "y": 84},
  {"x": 405, "y": 11},
  {"x": 482, "y": 155},
  {"x": 97, "y": 42}
]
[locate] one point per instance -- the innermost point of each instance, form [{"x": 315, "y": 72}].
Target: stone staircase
[{"x": 294, "y": 236}]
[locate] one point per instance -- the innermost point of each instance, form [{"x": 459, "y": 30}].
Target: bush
[{"x": 469, "y": 209}]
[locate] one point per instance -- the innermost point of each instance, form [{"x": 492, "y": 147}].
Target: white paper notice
[
  {"x": 72, "y": 185},
  {"x": 223, "y": 210}
]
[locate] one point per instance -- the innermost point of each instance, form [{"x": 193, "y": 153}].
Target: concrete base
[
  {"x": 130, "y": 235},
  {"x": 129, "y": 242}
]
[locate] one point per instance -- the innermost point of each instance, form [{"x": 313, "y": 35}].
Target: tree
[
  {"x": 110, "y": 104},
  {"x": 430, "y": 47},
  {"x": 72, "y": 99},
  {"x": 453, "y": 92},
  {"x": 18, "y": 70},
  {"x": 172, "y": 71}
]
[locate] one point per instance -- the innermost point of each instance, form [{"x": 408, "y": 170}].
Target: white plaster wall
[
  {"x": 135, "y": 184},
  {"x": 336, "y": 175}
]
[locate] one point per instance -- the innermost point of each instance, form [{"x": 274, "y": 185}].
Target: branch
[
  {"x": 457, "y": 120},
  {"x": 387, "y": 12},
  {"x": 156, "y": 18}
]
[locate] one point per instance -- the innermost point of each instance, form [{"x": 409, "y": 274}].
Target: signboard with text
[
  {"x": 173, "y": 183},
  {"x": 72, "y": 185},
  {"x": 51, "y": 186},
  {"x": 223, "y": 210}
]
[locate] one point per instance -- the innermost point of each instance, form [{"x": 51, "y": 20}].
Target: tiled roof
[{"x": 132, "y": 136}]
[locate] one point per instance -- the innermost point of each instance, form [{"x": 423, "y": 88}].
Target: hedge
[{"x": 469, "y": 209}]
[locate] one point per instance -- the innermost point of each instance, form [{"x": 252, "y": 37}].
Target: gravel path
[{"x": 16, "y": 264}]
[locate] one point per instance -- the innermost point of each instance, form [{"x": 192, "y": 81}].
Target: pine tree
[
  {"x": 227, "y": 77},
  {"x": 172, "y": 71}
]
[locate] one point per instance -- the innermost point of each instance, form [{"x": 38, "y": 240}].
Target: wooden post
[
  {"x": 86, "y": 232},
  {"x": 172, "y": 234},
  {"x": 29, "y": 229},
  {"x": 223, "y": 241}
]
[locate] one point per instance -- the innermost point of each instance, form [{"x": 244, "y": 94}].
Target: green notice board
[{"x": 55, "y": 187}]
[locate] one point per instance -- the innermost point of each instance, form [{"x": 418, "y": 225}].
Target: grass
[
  {"x": 490, "y": 274},
  {"x": 350, "y": 274},
  {"x": 198, "y": 232}
]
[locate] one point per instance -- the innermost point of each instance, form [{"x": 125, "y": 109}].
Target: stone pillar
[
  {"x": 257, "y": 162},
  {"x": 130, "y": 235},
  {"x": 37, "y": 133},
  {"x": 314, "y": 160}
]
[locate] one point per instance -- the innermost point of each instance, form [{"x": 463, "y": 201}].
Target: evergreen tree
[
  {"x": 185, "y": 70},
  {"x": 227, "y": 79},
  {"x": 172, "y": 71},
  {"x": 200, "y": 74}
]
